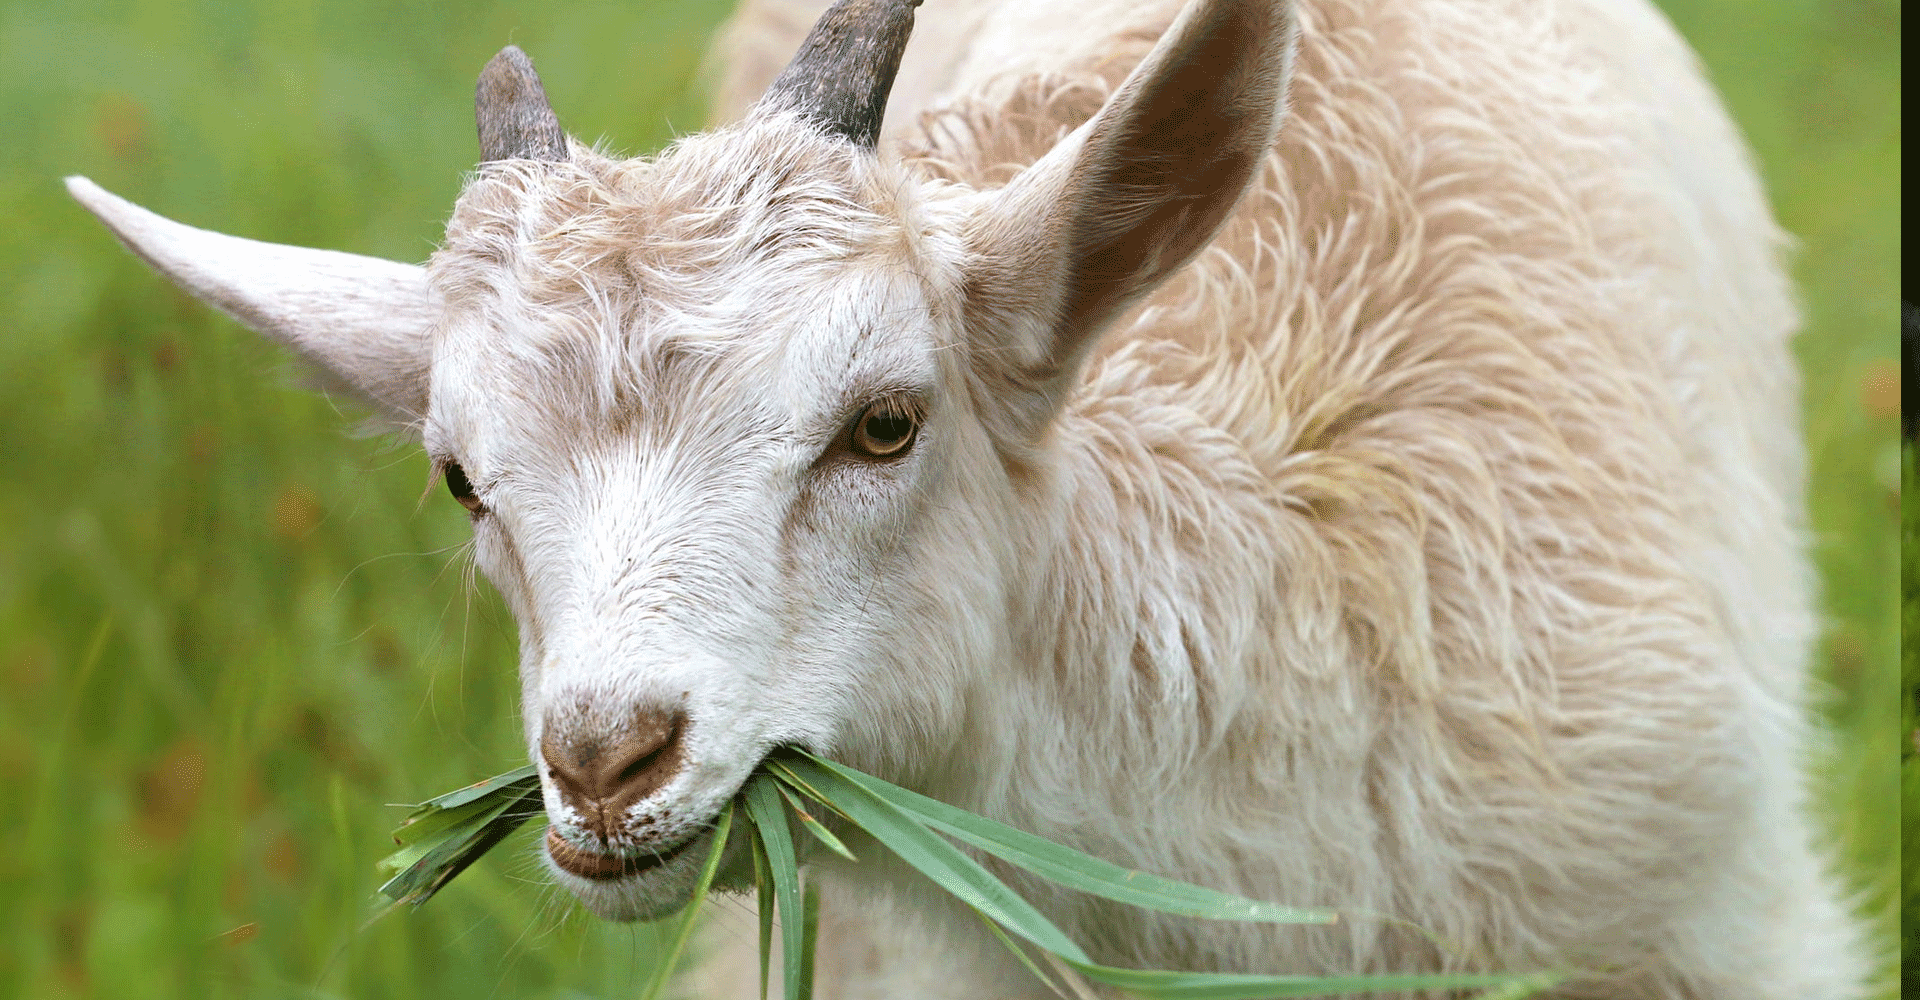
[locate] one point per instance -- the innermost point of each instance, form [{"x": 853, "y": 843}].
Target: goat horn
[
  {"x": 510, "y": 106},
  {"x": 844, "y": 71}
]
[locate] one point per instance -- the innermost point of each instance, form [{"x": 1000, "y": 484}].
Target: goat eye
[
  {"x": 461, "y": 489},
  {"x": 885, "y": 430}
]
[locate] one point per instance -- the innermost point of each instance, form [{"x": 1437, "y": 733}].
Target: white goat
[{"x": 1400, "y": 514}]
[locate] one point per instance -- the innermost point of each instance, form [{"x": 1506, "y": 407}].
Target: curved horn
[
  {"x": 843, "y": 72},
  {"x": 510, "y": 106}
]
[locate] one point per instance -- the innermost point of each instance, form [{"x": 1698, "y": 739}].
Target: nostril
[
  {"x": 641, "y": 764},
  {"x": 601, "y": 774}
]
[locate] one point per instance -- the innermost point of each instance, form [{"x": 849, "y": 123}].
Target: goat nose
[{"x": 602, "y": 774}]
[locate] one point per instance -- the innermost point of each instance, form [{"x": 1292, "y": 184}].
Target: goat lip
[{"x": 606, "y": 867}]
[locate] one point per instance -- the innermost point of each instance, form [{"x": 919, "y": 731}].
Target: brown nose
[{"x": 602, "y": 774}]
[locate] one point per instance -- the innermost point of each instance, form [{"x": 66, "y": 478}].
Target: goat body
[{"x": 1399, "y": 512}]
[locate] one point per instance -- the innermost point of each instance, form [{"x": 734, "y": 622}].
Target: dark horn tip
[
  {"x": 510, "y": 107},
  {"x": 844, "y": 70}
]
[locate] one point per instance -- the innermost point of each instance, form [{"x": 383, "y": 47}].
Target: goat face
[
  {"x": 755, "y": 435},
  {"x": 714, "y": 432}
]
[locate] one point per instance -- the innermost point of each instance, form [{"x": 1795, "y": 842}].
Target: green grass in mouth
[{"x": 446, "y": 834}]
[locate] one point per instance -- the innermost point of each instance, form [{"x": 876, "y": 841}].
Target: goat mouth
[{"x": 607, "y": 867}]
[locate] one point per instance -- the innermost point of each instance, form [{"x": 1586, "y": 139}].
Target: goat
[{"x": 1396, "y": 507}]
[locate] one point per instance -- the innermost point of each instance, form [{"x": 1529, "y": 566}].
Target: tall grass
[{"x": 229, "y": 635}]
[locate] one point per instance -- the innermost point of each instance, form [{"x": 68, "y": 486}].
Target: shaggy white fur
[
  {"x": 1401, "y": 514},
  {"x": 1430, "y": 545}
]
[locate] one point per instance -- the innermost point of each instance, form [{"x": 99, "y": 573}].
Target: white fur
[{"x": 1429, "y": 547}]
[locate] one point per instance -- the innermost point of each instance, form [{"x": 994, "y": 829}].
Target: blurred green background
[{"x": 230, "y": 634}]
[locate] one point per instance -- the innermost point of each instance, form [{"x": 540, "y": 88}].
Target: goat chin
[{"x": 1341, "y": 452}]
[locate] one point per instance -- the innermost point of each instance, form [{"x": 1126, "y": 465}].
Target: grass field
[{"x": 230, "y": 635}]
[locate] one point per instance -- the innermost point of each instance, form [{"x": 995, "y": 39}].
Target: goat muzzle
[{"x": 602, "y": 775}]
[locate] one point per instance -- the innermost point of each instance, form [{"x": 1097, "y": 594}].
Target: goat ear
[
  {"x": 1131, "y": 195},
  {"x": 364, "y": 321}
]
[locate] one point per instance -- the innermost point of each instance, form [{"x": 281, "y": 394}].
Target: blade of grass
[
  {"x": 896, "y": 829},
  {"x": 447, "y": 833},
  {"x": 763, "y": 899},
  {"x": 1073, "y": 869},
  {"x": 809, "y": 937},
  {"x": 428, "y": 831},
  {"x": 428, "y": 865},
  {"x": 489, "y": 836},
  {"x": 949, "y": 867},
  {"x": 520, "y": 778},
  {"x": 787, "y": 777},
  {"x": 820, "y": 833},
  {"x": 1170, "y": 985},
  {"x": 1524, "y": 987},
  {"x": 1020, "y": 953},
  {"x": 663, "y": 971},
  {"x": 770, "y": 821}
]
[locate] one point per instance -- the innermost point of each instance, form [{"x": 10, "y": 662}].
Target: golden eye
[
  {"x": 885, "y": 430},
  {"x": 462, "y": 490}
]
